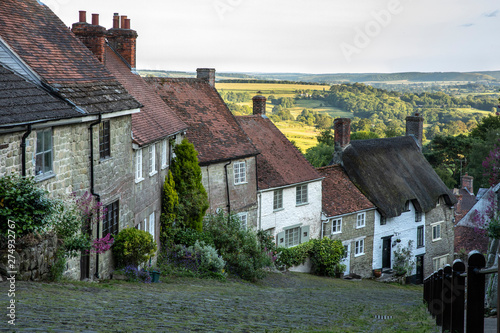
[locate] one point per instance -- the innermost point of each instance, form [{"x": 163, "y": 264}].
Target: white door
[{"x": 347, "y": 259}]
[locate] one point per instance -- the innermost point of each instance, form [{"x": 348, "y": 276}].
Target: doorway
[{"x": 386, "y": 252}]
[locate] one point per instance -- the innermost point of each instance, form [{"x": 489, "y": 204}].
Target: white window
[
  {"x": 152, "y": 160},
  {"x": 138, "y": 166},
  {"x": 359, "y": 247},
  {"x": 164, "y": 147},
  {"x": 439, "y": 262},
  {"x": 152, "y": 224},
  {"x": 361, "y": 220},
  {"x": 278, "y": 200},
  {"x": 332, "y": 226},
  {"x": 436, "y": 231},
  {"x": 336, "y": 226},
  {"x": 43, "y": 155},
  {"x": 301, "y": 194},
  {"x": 240, "y": 173},
  {"x": 292, "y": 237},
  {"x": 243, "y": 220}
]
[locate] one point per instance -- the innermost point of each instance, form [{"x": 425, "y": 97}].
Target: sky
[{"x": 299, "y": 36}]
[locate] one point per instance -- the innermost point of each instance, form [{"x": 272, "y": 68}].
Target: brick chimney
[
  {"x": 468, "y": 182},
  {"x": 123, "y": 39},
  {"x": 207, "y": 74},
  {"x": 92, "y": 35},
  {"x": 342, "y": 137},
  {"x": 259, "y": 105},
  {"x": 415, "y": 127}
]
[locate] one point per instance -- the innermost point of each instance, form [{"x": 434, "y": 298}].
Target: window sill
[
  {"x": 437, "y": 239},
  {"x": 242, "y": 183},
  {"x": 41, "y": 178},
  {"x": 420, "y": 247},
  {"x": 107, "y": 158},
  {"x": 361, "y": 226},
  {"x": 336, "y": 232},
  {"x": 138, "y": 180},
  {"x": 151, "y": 174},
  {"x": 163, "y": 167},
  {"x": 278, "y": 210},
  {"x": 359, "y": 255},
  {"x": 301, "y": 204}
]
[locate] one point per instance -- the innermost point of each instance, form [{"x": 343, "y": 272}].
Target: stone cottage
[
  {"x": 225, "y": 153},
  {"x": 289, "y": 187},
  {"x": 154, "y": 129},
  {"x": 347, "y": 215},
  {"x": 82, "y": 142},
  {"x": 413, "y": 204}
]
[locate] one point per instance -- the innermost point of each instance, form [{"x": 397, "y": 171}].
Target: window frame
[
  {"x": 420, "y": 236},
  {"x": 359, "y": 247},
  {"x": 337, "y": 224},
  {"x": 299, "y": 195},
  {"x": 104, "y": 139},
  {"x": 164, "y": 154},
  {"x": 152, "y": 160},
  {"x": 418, "y": 216},
  {"x": 437, "y": 260},
  {"x": 243, "y": 216},
  {"x": 152, "y": 225},
  {"x": 138, "y": 166},
  {"x": 437, "y": 235},
  {"x": 240, "y": 177},
  {"x": 277, "y": 199},
  {"x": 111, "y": 222},
  {"x": 295, "y": 236},
  {"x": 363, "y": 220},
  {"x": 46, "y": 153}
]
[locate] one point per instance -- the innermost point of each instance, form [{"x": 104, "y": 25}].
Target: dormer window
[{"x": 407, "y": 206}]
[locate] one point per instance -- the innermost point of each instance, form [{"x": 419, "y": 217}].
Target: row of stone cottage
[{"x": 75, "y": 115}]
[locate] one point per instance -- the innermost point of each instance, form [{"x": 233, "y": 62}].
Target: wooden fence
[{"x": 446, "y": 290}]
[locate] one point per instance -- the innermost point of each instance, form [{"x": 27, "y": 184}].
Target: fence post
[
  {"x": 438, "y": 301},
  {"x": 475, "y": 292},
  {"x": 446, "y": 298},
  {"x": 458, "y": 297}
]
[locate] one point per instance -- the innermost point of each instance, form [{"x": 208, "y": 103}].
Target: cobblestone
[{"x": 290, "y": 302}]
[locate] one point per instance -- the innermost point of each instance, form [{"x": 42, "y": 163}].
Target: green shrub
[
  {"x": 293, "y": 256},
  {"x": 403, "y": 259},
  {"x": 326, "y": 255},
  {"x": 133, "y": 247},
  {"x": 169, "y": 203},
  {"x": 189, "y": 237},
  {"x": 238, "y": 247},
  {"x": 25, "y": 204}
]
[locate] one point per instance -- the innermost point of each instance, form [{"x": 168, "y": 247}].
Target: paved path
[{"x": 290, "y": 302}]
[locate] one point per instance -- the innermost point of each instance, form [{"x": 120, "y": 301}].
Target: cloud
[
  {"x": 467, "y": 25},
  {"x": 492, "y": 14}
]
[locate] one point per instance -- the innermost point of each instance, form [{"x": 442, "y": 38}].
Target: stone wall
[
  {"x": 445, "y": 245},
  {"x": 34, "y": 257},
  {"x": 243, "y": 197}
]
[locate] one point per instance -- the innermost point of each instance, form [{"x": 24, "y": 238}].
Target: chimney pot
[
  {"x": 95, "y": 19},
  {"x": 116, "y": 21},
  {"x": 122, "y": 23},
  {"x": 468, "y": 182},
  {"x": 207, "y": 74},
  {"x": 83, "y": 16},
  {"x": 259, "y": 105},
  {"x": 127, "y": 24},
  {"x": 415, "y": 127}
]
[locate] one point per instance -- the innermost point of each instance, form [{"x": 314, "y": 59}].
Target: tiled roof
[
  {"x": 279, "y": 162},
  {"x": 22, "y": 101},
  {"x": 212, "y": 128},
  {"x": 391, "y": 171},
  {"x": 469, "y": 239},
  {"x": 156, "y": 120},
  {"x": 42, "y": 40},
  {"x": 340, "y": 195}
]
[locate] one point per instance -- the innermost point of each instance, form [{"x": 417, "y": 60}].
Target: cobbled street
[{"x": 289, "y": 302}]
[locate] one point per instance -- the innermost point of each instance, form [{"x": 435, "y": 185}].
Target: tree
[
  {"x": 320, "y": 155},
  {"x": 363, "y": 135},
  {"x": 491, "y": 122},
  {"x": 193, "y": 199},
  {"x": 169, "y": 203},
  {"x": 491, "y": 166}
]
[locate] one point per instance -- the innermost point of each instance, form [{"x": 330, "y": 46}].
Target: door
[
  {"x": 386, "y": 252},
  {"x": 347, "y": 258},
  {"x": 419, "y": 278},
  {"x": 85, "y": 256}
]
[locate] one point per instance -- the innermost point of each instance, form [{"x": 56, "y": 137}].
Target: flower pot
[
  {"x": 155, "y": 276},
  {"x": 377, "y": 273}
]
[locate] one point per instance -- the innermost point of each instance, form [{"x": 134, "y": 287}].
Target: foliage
[
  {"x": 486, "y": 221},
  {"x": 133, "y": 247},
  {"x": 102, "y": 245},
  {"x": 326, "y": 255},
  {"x": 189, "y": 237},
  {"x": 134, "y": 274},
  {"x": 267, "y": 244},
  {"x": 58, "y": 267},
  {"x": 169, "y": 204},
  {"x": 320, "y": 155},
  {"x": 293, "y": 256},
  {"x": 363, "y": 135},
  {"x": 326, "y": 137},
  {"x": 21, "y": 201},
  {"x": 193, "y": 199},
  {"x": 403, "y": 259},
  {"x": 313, "y": 118},
  {"x": 491, "y": 166},
  {"x": 486, "y": 125},
  {"x": 238, "y": 247}
]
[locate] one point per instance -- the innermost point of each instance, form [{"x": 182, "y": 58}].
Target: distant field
[
  {"x": 303, "y": 135},
  {"x": 269, "y": 88}
]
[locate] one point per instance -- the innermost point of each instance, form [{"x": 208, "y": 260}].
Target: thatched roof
[{"x": 391, "y": 171}]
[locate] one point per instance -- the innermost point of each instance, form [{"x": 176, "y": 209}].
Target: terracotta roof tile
[
  {"x": 279, "y": 162},
  {"x": 42, "y": 40},
  {"x": 212, "y": 128},
  {"x": 22, "y": 101},
  {"x": 340, "y": 195},
  {"x": 156, "y": 119}
]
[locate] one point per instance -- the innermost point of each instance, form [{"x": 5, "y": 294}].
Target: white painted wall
[
  {"x": 291, "y": 214},
  {"x": 401, "y": 227}
]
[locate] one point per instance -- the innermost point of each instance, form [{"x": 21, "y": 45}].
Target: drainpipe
[
  {"x": 227, "y": 191},
  {"x": 92, "y": 189},
  {"x": 23, "y": 150}
]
